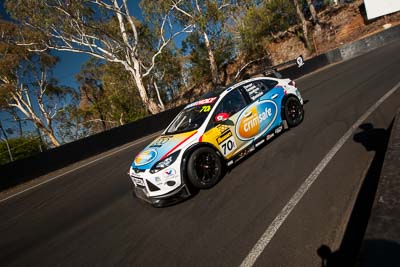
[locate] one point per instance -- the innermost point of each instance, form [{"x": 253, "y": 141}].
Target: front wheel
[
  {"x": 204, "y": 168},
  {"x": 293, "y": 111}
]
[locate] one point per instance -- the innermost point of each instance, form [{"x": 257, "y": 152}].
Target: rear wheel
[
  {"x": 293, "y": 111},
  {"x": 204, "y": 168}
]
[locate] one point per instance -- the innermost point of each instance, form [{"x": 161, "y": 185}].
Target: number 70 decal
[
  {"x": 205, "y": 109},
  {"x": 228, "y": 146}
]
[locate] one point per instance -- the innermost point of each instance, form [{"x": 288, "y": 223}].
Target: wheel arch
[
  {"x": 283, "y": 103},
  {"x": 189, "y": 151}
]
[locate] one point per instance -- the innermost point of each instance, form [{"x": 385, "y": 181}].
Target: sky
[{"x": 70, "y": 63}]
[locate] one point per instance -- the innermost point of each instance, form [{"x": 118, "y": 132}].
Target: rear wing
[{"x": 299, "y": 61}]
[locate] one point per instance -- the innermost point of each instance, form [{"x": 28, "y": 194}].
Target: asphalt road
[{"x": 89, "y": 217}]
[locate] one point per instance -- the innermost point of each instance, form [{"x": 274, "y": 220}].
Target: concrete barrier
[
  {"x": 381, "y": 244},
  {"x": 23, "y": 170}
]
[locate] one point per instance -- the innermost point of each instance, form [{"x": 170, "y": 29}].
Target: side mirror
[{"x": 221, "y": 117}]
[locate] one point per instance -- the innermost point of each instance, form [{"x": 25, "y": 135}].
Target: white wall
[{"x": 377, "y": 8}]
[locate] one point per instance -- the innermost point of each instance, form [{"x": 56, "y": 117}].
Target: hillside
[{"x": 339, "y": 25}]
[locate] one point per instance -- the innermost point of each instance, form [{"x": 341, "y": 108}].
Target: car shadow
[{"x": 373, "y": 139}]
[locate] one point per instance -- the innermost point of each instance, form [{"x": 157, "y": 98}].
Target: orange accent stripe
[{"x": 175, "y": 147}]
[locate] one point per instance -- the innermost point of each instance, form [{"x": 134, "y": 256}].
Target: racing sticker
[
  {"x": 146, "y": 156},
  {"x": 225, "y": 135},
  {"x": 228, "y": 145},
  {"x": 202, "y": 102},
  {"x": 256, "y": 119},
  {"x": 169, "y": 173},
  {"x": 161, "y": 141},
  {"x": 138, "y": 181},
  {"x": 253, "y": 90},
  {"x": 205, "y": 108}
]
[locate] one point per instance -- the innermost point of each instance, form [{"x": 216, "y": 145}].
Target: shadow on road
[{"x": 373, "y": 139}]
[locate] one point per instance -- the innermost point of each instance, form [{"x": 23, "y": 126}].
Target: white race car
[{"x": 211, "y": 133}]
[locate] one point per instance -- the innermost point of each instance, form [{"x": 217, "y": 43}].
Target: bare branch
[
  {"x": 133, "y": 27},
  {"x": 175, "y": 6},
  {"x": 187, "y": 29}
]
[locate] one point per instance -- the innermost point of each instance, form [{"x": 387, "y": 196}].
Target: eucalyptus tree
[
  {"x": 27, "y": 86},
  {"x": 104, "y": 29},
  {"x": 303, "y": 22},
  {"x": 264, "y": 22},
  {"x": 314, "y": 15},
  {"x": 208, "y": 19}
]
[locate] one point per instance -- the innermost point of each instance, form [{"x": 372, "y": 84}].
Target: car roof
[
  {"x": 222, "y": 90},
  {"x": 214, "y": 93}
]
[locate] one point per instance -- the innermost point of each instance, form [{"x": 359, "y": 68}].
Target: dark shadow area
[
  {"x": 379, "y": 253},
  {"x": 373, "y": 139}
]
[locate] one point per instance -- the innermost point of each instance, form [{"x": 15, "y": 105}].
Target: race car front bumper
[{"x": 170, "y": 198}]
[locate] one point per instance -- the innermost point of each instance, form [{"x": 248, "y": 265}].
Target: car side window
[
  {"x": 231, "y": 103},
  {"x": 269, "y": 84},
  {"x": 254, "y": 89}
]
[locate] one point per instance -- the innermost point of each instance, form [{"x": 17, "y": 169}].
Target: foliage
[
  {"x": 102, "y": 29},
  {"x": 106, "y": 98},
  {"x": 262, "y": 22},
  {"x": 27, "y": 85},
  {"x": 209, "y": 45},
  {"x": 21, "y": 147}
]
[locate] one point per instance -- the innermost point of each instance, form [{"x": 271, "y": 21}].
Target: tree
[
  {"x": 6, "y": 142},
  {"x": 166, "y": 78},
  {"x": 262, "y": 23},
  {"x": 103, "y": 29},
  {"x": 303, "y": 22},
  {"x": 27, "y": 86},
  {"x": 21, "y": 147},
  {"x": 93, "y": 102},
  {"x": 314, "y": 15},
  {"x": 208, "y": 19},
  {"x": 106, "y": 99}
]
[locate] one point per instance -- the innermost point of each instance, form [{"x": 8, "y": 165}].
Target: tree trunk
[
  {"x": 6, "y": 140},
  {"x": 313, "y": 12},
  {"x": 303, "y": 24},
  {"x": 151, "y": 106},
  {"x": 211, "y": 58},
  {"x": 159, "y": 96},
  {"x": 47, "y": 132}
]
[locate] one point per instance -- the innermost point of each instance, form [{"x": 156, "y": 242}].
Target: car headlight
[{"x": 162, "y": 164}]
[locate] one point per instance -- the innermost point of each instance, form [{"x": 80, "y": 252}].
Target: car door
[
  {"x": 221, "y": 129},
  {"x": 262, "y": 115}
]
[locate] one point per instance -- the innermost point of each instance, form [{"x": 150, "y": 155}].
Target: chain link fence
[{"x": 18, "y": 148}]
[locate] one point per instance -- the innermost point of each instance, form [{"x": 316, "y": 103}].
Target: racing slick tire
[
  {"x": 204, "y": 168},
  {"x": 293, "y": 111}
]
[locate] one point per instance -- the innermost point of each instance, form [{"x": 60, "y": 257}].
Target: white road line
[
  {"x": 82, "y": 166},
  {"x": 279, "y": 220}
]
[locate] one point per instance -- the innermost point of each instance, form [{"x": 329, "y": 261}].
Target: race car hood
[{"x": 160, "y": 148}]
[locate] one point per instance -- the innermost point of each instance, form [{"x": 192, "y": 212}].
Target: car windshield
[{"x": 192, "y": 117}]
